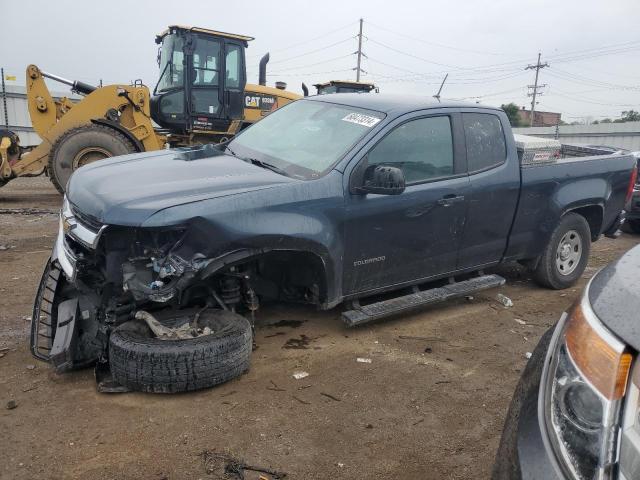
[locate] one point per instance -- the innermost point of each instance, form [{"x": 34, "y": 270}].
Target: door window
[
  {"x": 205, "y": 101},
  {"x": 232, "y": 65},
  {"x": 422, "y": 148},
  {"x": 206, "y": 61},
  {"x": 486, "y": 147},
  {"x": 171, "y": 67}
]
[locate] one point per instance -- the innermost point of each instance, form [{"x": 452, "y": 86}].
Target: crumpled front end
[{"x": 100, "y": 275}]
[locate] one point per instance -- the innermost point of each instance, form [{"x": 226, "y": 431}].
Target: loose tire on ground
[
  {"x": 142, "y": 362},
  {"x": 81, "y": 146},
  {"x": 571, "y": 233}
]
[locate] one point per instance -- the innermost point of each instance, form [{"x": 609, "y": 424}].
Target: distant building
[
  {"x": 540, "y": 119},
  {"x": 18, "y": 113}
]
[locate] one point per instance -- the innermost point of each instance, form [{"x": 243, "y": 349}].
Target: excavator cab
[{"x": 202, "y": 80}]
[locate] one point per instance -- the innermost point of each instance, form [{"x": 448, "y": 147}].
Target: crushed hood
[{"x": 129, "y": 189}]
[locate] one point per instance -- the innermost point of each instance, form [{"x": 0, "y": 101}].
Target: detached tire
[
  {"x": 144, "y": 363},
  {"x": 81, "y": 146},
  {"x": 566, "y": 255}
]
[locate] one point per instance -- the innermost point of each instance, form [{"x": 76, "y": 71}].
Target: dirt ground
[{"x": 429, "y": 405}]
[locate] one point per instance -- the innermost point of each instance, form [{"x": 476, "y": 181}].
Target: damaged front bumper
[
  {"x": 99, "y": 276},
  {"x": 53, "y": 333}
]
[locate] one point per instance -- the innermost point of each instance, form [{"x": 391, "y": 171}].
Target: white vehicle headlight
[{"x": 585, "y": 379}]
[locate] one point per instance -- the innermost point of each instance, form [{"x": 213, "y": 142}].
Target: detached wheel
[
  {"x": 82, "y": 146},
  {"x": 566, "y": 255},
  {"x": 144, "y": 363}
]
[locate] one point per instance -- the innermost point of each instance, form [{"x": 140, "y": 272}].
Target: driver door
[
  {"x": 396, "y": 239},
  {"x": 205, "y": 82}
]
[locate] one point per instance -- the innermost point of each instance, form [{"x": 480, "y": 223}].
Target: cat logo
[
  {"x": 251, "y": 101},
  {"x": 261, "y": 102}
]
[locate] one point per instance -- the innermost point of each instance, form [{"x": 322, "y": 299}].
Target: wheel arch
[
  {"x": 304, "y": 260},
  {"x": 593, "y": 214},
  {"x": 120, "y": 129}
]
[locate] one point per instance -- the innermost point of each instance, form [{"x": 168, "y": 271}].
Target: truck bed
[{"x": 550, "y": 189}]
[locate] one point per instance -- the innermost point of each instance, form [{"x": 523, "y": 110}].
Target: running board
[{"x": 378, "y": 310}]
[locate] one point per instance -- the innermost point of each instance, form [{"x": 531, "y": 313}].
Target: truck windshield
[
  {"x": 305, "y": 138},
  {"x": 171, "y": 69}
]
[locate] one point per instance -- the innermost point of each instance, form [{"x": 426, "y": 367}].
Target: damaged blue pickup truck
[{"x": 163, "y": 258}]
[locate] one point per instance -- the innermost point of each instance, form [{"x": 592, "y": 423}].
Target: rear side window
[
  {"x": 486, "y": 147},
  {"x": 422, "y": 148}
]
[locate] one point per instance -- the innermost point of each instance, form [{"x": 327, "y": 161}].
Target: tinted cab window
[
  {"x": 486, "y": 146},
  {"x": 422, "y": 148}
]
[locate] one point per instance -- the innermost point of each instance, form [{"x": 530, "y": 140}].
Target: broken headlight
[{"x": 584, "y": 382}]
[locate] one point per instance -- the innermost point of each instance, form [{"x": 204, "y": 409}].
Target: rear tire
[
  {"x": 144, "y": 363},
  {"x": 566, "y": 255},
  {"x": 81, "y": 146},
  {"x": 631, "y": 226}
]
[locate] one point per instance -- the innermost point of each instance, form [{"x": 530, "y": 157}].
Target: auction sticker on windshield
[{"x": 361, "y": 119}]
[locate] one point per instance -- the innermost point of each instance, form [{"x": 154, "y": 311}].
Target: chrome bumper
[{"x": 64, "y": 255}]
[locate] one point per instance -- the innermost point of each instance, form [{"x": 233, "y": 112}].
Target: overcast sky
[{"x": 592, "y": 46}]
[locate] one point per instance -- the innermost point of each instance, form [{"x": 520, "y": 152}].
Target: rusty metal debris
[
  {"x": 183, "y": 332},
  {"x": 225, "y": 466}
]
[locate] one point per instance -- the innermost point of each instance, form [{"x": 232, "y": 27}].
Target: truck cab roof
[{"x": 392, "y": 103}]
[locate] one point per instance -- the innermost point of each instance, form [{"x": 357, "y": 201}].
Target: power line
[
  {"x": 495, "y": 94},
  {"x": 310, "y": 52},
  {"x": 589, "y": 100},
  {"x": 434, "y": 43},
  {"x": 568, "y": 76},
  {"x": 304, "y": 74},
  {"x": 295, "y": 45},
  {"x": 313, "y": 64},
  {"x": 626, "y": 46},
  {"x": 461, "y": 80}
]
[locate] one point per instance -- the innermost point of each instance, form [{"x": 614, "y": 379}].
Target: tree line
[{"x": 513, "y": 113}]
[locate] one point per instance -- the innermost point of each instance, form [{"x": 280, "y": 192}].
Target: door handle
[{"x": 449, "y": 200}]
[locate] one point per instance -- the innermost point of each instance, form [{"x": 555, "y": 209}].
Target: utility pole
[
  {"x": 4, "y": 100},
  {"x": 535, "y": 86},
  {"x": 358, "y": 69}
]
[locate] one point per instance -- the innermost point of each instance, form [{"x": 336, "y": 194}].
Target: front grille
[{"x": 87, "y": 220}]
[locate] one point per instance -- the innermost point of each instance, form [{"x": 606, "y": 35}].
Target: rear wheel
[
  {"x": 81, "y": 146},
  {"x": 631, "y": 226},
  {"x": 566, "y": 255}
]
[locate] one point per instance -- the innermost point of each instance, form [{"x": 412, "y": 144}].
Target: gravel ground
[{"x": 429, "y": 405}]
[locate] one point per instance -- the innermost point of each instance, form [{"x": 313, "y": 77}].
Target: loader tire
[
  {"x": 566, "y": 255},
  {"x": 142, "y": 362},
  {"x": 81, "y": 146}
]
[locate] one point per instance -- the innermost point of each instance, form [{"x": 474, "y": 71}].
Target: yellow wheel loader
[{"x": 202, "y": 96}]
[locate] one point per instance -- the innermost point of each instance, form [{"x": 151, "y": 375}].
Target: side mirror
[{"x": 383, "y": 180}]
